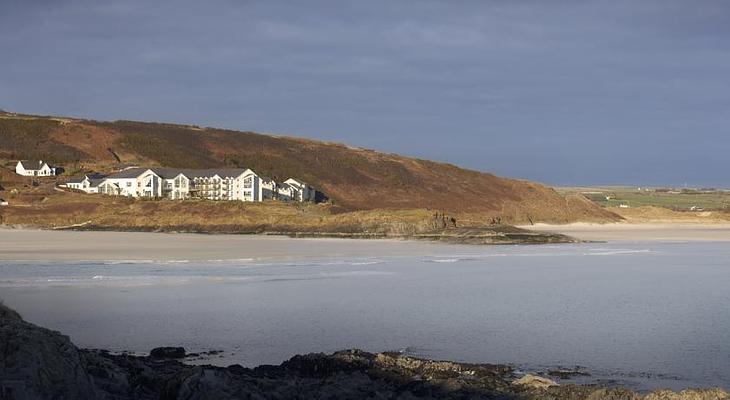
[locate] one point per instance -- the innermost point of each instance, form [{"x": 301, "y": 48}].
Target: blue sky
[{"x": 564, "y": 92}]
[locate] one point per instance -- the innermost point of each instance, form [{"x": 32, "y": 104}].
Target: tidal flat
[{"x": 642, "y": 314}]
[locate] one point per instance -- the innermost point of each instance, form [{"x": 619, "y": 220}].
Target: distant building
[
  {"x": 147, "y": 182},
  {"x": 178, "y": 184},
  {"x": 300, "y": 191},
  {"x": 267, "y": 188},
  {"x": 285, "y": 192},
  {"x": 88, "y": 183},
  {"x": 34, "y": 168},
  {"x": 225, "y": 184}
]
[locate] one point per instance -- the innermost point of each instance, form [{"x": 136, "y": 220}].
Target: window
[
  {"x": 248, "y": 182},
  {"x": 129, "y": 184}
]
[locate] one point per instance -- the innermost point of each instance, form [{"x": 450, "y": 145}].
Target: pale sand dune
[
  {"x": 640, "y": 232},
  {"x": 27, "y": 244}
]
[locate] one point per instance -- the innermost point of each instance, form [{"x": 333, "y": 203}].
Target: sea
[{"x": 644, "y": 315}]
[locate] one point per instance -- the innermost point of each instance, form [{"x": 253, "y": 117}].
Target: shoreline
[
  {"x": 45, "y": 363},
  {"x": 649, "y": 232},
  {"x": 71, "y": 245},
  {"x": 107, "y": 244}
]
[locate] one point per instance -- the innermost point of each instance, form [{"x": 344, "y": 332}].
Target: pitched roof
[
  {"x": 32, "y": 164},
  {"x": 95, "y": 175},
  {"x": 297, "y": 181},
  {"x": 169, "y": 173},
  {"x": 91, "y": 177},
  {"x": 208, "y": 173},
  {"x": 128, "y": 173},
  {"x": 76, "y": 179},
  {"x": 96, "y": 182}
]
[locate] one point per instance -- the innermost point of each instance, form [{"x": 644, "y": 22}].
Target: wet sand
[
  {"x": 640, "y": 232},
  {"x": 28, "y": 244}
]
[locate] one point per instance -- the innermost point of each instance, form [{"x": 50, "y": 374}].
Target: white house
[
  {"x": 34, "y": 168},
  {"x": 88, "y": 183},
  {"x": 300, "y": 191},
  {"x": 133, "y": 182}
]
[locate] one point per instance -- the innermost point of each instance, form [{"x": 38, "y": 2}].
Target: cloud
[{"x": 560, "y": 91}]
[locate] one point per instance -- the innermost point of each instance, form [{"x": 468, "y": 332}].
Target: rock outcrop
[
  {"x": 168, "y": 352},
  {"x": 37, "y": 363}
]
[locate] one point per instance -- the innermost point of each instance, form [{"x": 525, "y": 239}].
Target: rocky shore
[
  {"x": 37, "y": 363},
  {"x": 498, "y": 234}
]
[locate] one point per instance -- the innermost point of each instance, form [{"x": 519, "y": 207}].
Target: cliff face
[
  {"x": 38, "y": 363},
  {"x": 352, "y": 178}
]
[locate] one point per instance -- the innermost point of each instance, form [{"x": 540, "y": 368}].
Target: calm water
[{"x": 644, "y": 314}]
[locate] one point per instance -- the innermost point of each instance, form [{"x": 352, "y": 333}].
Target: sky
[{"x": 562, "y": 92}]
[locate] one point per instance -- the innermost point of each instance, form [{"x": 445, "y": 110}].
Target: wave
[
  {"x": 373, "y": 262},
  {"x": 616, "y": 252},
  {"x": 123, "y": 262}
]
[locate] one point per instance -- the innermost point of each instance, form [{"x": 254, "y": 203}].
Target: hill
[{"x": 352, "y": 178}]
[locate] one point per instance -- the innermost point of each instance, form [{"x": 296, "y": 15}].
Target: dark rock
[
  {"x": 37, "y": 363},
  {"x": 168, "y": 352},
  {"x": 567, "y": 373}
]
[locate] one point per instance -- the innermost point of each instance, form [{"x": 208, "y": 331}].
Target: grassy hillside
[
  {"x": 353, "y": 179},
  {"x": 673, "y": 199}
]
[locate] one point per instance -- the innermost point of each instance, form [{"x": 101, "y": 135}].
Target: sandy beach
[
  {"x": 28, "y": 244},
  {"x": 640, "y": 232}
]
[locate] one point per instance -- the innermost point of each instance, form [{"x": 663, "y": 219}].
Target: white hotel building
[{"x": 179, "y": 184}]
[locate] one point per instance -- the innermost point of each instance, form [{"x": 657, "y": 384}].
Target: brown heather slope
[{"x": 352, "y": 178}]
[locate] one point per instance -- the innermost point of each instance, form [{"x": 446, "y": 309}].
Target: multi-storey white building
[
  {"x": 225, "y": 184},
  {"x": 213, "y": 184},
  {"x": 179, "y": 184}
]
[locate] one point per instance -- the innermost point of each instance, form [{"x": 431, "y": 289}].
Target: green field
[{"x": 679, "y": 199}]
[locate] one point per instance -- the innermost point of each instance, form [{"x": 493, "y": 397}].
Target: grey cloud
[{"x": 561, "y": 91}]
